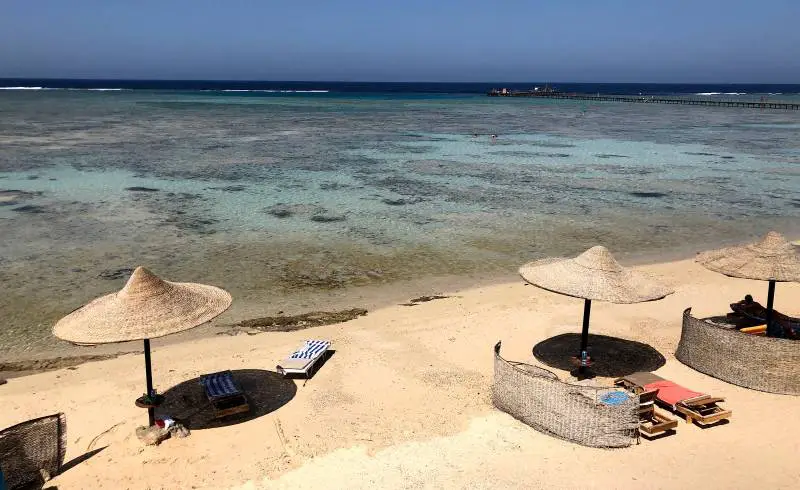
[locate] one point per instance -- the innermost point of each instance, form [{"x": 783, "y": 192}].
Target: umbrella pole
[
  {"x": 587, "y": 309},
  {"x": 151, "y": 412},
  {"x": 770, "y": 301}
]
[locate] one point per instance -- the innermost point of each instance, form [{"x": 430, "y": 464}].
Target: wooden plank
[{"x": 714, "y": 415}]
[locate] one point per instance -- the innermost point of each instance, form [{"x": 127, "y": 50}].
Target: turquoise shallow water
[{"x": 282, "y": 199}]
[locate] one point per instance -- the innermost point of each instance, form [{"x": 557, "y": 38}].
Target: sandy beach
[{"x": 405, "y": 402}]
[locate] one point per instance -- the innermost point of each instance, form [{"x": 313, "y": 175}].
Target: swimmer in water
[{"x": 494, "y": 137}]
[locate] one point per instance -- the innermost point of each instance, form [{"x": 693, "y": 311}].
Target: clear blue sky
[{"x": 404, "y": 40}]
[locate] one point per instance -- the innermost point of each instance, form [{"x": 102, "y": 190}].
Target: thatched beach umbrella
[
  {"x": 593, "y": 275},
  {"x": 772, "y": 259},
  {"x": 147, "y": 307}
]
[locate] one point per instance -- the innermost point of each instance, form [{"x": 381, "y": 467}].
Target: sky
[{"x": 700, "y": 41}]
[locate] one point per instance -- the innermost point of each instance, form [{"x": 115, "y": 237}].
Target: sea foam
[
  {"x": 64, "y": 88},
  {"x": 273, "y": 91}
]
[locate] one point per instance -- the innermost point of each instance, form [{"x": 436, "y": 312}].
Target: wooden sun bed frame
[
  {"x": 652, "y": 421},
  {"x": 702, "y": 409}
]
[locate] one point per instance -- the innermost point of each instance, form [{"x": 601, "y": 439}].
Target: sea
[{"x": 302, "y": 196}]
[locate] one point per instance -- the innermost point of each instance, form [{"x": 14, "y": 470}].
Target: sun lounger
[
  {"x": 33, "y": 452},
  {"x": 304, "y": 359},
  {"x": 223, "y": 393},
  {"x": 651, "y": 420},
  {"x": 694, "y": 406},
  {"x": 755, "y": 312}
]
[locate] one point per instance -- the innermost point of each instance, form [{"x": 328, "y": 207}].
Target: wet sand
[{"x": 331, "y": 282}]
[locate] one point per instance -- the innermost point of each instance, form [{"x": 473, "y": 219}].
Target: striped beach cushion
[
  {"x": 219, "y": 385},
  {"x": 311, "y": 349}
]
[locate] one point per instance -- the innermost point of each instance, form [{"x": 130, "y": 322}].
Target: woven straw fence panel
[
  {"x": 571, "y": 412},
  {"x": 759, "y": 363},
  {"x": 31, "y": 447}
]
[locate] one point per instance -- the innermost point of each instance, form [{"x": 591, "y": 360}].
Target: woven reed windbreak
[
  {"x": 30, "y": 447},
  {"x": 571, "y": 412},
  {"x": 759, "y": 363}
]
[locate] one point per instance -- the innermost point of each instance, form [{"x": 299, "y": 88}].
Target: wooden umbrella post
[
  {"x": 151, "y": 411},
  {"x": 587, "y": 309},
  {"x": 771, "y": 332}
]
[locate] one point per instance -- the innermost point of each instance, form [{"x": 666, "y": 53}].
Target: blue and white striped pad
[
  {"x": 219, "y": 385},
  {"x": 311, "y": 350}
]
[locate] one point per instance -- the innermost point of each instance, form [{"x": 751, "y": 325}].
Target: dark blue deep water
[{"x": 409, "y": 88}]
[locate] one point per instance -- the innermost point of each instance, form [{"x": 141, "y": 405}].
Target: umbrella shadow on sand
[
  {"x": 266, "y": 391},
  {"x": 612, "y": 357}
]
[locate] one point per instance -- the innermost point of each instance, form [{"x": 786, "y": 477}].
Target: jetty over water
[{"x": 552, "y": 94}]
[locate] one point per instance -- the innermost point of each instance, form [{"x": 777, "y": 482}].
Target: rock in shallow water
[
  {"x": 230, "y": 188},
  {"x": 30, "y": 209},
  {"x": 400, "y": 201},
  {"x": 280, "y": 211},
  {"x": 647, "y": 194},
  {"x": 326, "y": 217},
  {"x": 333, "y": 186},
  {"x": 314, "y": 212},
  {"x": 283, "y": 210},
  {"x": 116, "y": 273},
  {"x": 700, "y": 153},
  {"x": 12, "y": 197}
]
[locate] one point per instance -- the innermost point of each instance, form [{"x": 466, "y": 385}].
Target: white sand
[{"x": 405, "y": 403}]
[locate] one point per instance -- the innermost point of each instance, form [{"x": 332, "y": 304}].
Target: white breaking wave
[
  {"x": 63, "y": 88},
  {"x": 113, "y": 89},
  {"x": 709, "y": 93},
  {"x": 721, "y": 93},
  {"x": 735, "y": 93},
  {"x": 274, "y": 91}
]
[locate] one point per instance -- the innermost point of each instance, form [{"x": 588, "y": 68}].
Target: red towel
[{"x": 671, "y": 393}]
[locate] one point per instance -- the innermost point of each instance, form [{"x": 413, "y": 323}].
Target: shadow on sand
[
  {"x": 266, "y": 391},
  {"x": 80, "y": 459},
  {"x": 612, "y": 357}
]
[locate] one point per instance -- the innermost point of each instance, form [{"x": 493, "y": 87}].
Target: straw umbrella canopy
[
  {"x": 592, "y": 275},
  {"x": 147, "y": 307},
  {"x": 771, "y": 259}
]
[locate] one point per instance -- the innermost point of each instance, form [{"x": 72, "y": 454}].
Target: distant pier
[{"x": 552, "y": 94}]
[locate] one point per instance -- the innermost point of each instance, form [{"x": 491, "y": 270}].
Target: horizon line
[{"x": 220, "y": 80}]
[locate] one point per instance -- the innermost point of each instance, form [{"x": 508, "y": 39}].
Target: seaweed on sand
[{"x": 290, "y": 323}]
